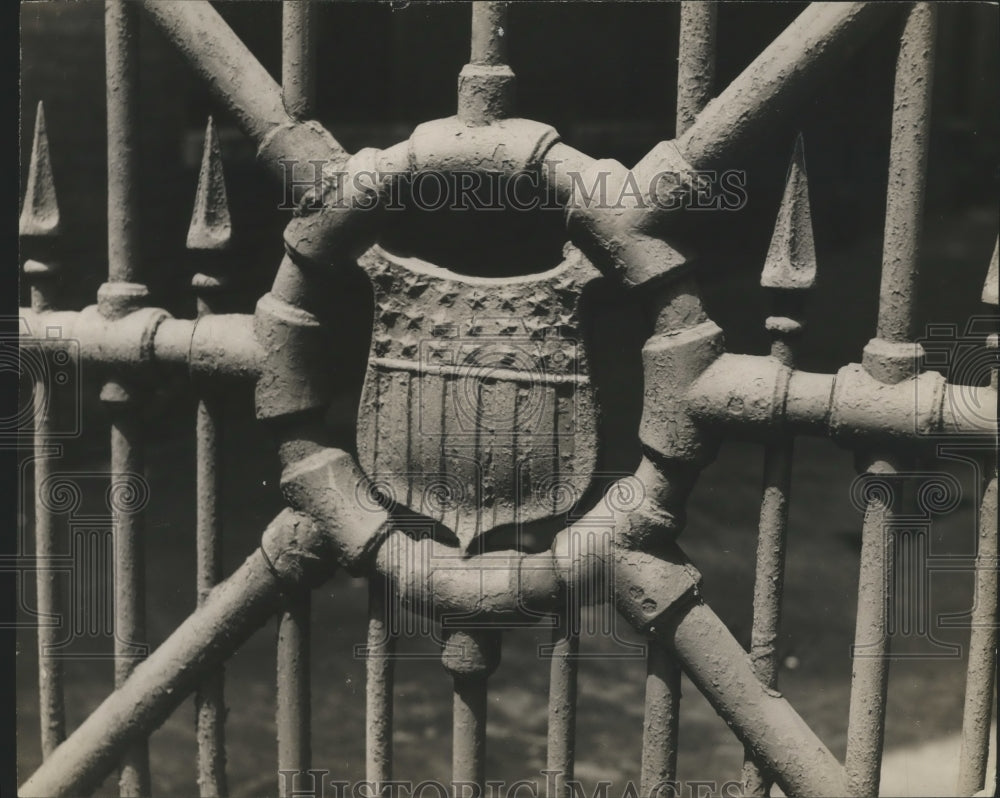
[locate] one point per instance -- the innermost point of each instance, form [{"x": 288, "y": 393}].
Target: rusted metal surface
[
  {"x": 39, "y": 222},
  {"x": 486, "y": 83},
  {"x": 661, "y": 714},
  {"x": 298, "y": 58},
  {"x": 127, "y": 467},
  {"x": 211, "y": 227},
  {"x": 293, "y": 715},
  {"x": 489, "y": 33},
  {"x": 890, "y": 358},
  {"x": 38, "y": 229},
  {"x": 239, "y": 81},
  {"x": 806, "y": 52},
  {"x": 980, "y": 681},
  {"x": 769, "y": 583},
  {"x": 121, "y": 32},
  {"x": 790, "y": 264},
  {"x": 695, "y": 61},
  {"x": 346, "y": 220},
  {"x": 379, "y": 680},
  {"x": 661, "y": 720},
  {"x": 504, "y": 347},
  {"x": 625, "y": 241},
  {"x": 904, "y": 210},
  {"x": 292, "y": 553},
  {"x": 123, "y": 293},
  {"x": 752, "y": 396},
  {"x": 679, "y": 325},
  {"x": 981, "y": 676},
  {"x": 470, "y": 658},
  {"x": 210, "y": 704},
  {"x": 52, "y": 714},
  {"x": 686, "y": 344},
  {"x": 870, "y": 674},
  {"x": 477, "y": 410},
  {"x": 563, "y": 673},
  {"x": 762, "y": 720},
  {"x": 790, "y": 268},
  {"x": 222, "y": 346},
  {"x": 209, "y": 234}
]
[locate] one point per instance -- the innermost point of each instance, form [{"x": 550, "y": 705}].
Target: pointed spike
[
  {"x": 992, "y": 278},
  {"x": 40, "y": 214},
  {"x": 211, "y": 227},
  {"x": 791, "y": 257}
]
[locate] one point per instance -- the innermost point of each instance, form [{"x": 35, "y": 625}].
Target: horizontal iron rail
[
  {"x": 211, "y": 345},
  {"x": 742, "y": 391},
  {"x": 757, "y": 395}
]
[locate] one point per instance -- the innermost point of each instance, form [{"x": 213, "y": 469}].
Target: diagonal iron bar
[
  {"x": 819, "y": 39},
  {"x": 157, "y": 686},
  {"x": 241, "y": 84},
  {"x": 762, "y": 720}
]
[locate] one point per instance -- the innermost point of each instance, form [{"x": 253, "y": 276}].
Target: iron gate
[{"x": 479, "y": 411}]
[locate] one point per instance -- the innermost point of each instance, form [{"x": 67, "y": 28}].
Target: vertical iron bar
[
  {"x": 489, "y": 34},
  {"x": 52, "y": 714},
  {"x": 293, "y": 715},
  {"x": 769, "y": 583},
  {"x": 209, "y": 233},
  {"x": 468, "y": 758},
  {"x": 695, "y": 77},
  {"x": 470, "y": 658},
  {"x": 561, "y": 756},
  {"x": 127, "y": 462},
  {"x": 980, "y": 680},
  {"x": 380, "y": 667},
  {"x": 660, "y": 720},
  {"x": 695, "y": 61},
  {"x": 122, "y": 293},
  {"x": 789, "y": 270},
  {"x": 298, "y": 58},
  {"x": 907, "y": 174},
  {"x": 870, "y": 653},
  {"x": 890, "y": 357},
  {"x": 121, "y": 22},
  {"x": 210, "y": 707},
  {"x": 982, "y": 652},
  {"x": 294, "y": 633},
  {"x": 38, "y": 228}
]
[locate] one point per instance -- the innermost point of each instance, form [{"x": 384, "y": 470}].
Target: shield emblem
[{"x": 478, "y": 409}]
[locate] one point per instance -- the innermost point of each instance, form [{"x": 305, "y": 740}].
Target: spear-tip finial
[
  {"x": 211, "y": 227},
  {"x": 791, "y": 257},
  {"x": 992, "y": 278},
  {"x": 40, "y": 213}
]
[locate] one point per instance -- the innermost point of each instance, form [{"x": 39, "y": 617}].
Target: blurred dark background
[{"x": 604, "y": 75}]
